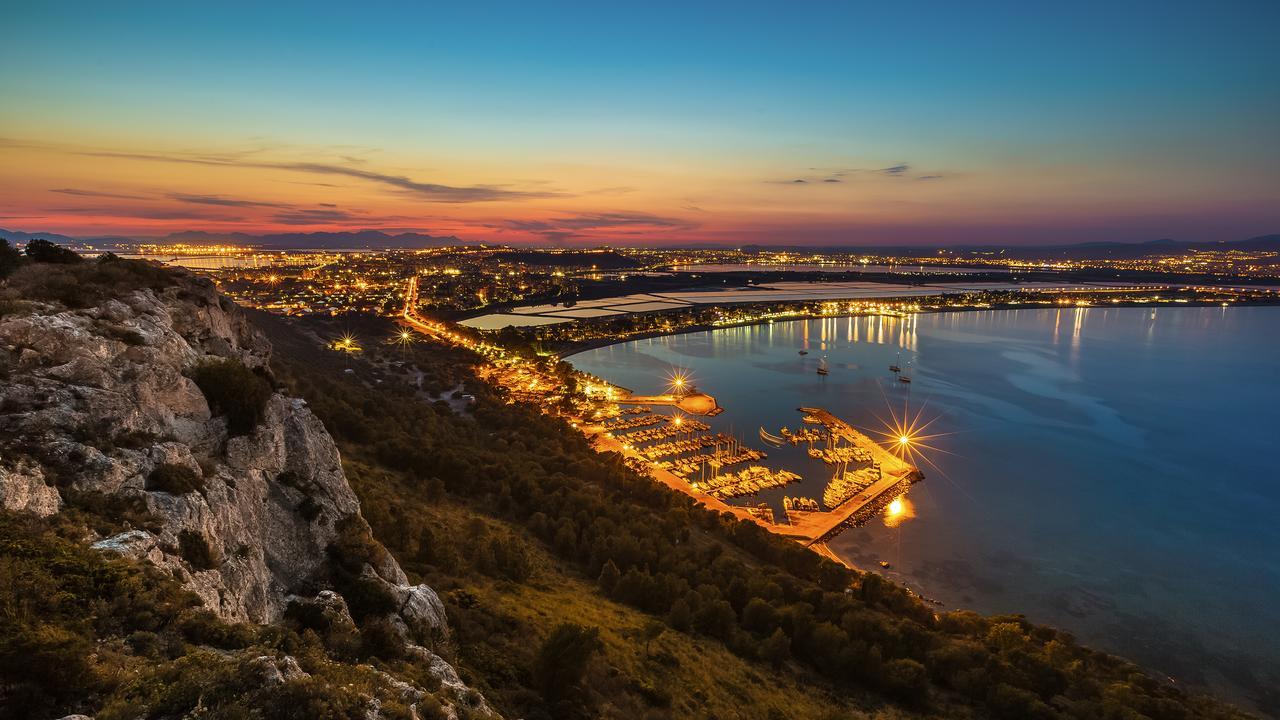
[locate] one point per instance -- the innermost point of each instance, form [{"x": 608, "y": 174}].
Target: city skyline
[{"x": 725, "y": 124}]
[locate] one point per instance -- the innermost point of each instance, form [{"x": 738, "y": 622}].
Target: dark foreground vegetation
[
  {"x": 769, "y": 602},
  {"x": 82, "y": 631}
]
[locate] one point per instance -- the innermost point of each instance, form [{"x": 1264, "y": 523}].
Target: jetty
[
  {"x": 895, "y": 476},
  {"x": 689, "y": 400}
]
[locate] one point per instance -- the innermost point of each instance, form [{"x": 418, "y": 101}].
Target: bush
[
  {"x": 906, "y": 679},
  {"x": 174, "y": 479},
  {"x": 562, "y": 659},
  {"x": 195, "y": 549},
  {"x": 235, "y": 391},
  {"x": 10, "y": 258},
  {"x": 43, "y": 251},
  {"x": 85, "y": 284}
]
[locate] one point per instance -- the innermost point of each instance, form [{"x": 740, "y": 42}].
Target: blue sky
[{"x": 1038, "y": 120}]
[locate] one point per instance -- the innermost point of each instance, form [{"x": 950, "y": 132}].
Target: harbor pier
[{"x": 810, "y": 527}]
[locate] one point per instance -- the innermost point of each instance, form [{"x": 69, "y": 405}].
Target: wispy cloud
[
  {"x": 222, "y": 201},
  {"x": 319, "y": 216},
  {"x": 433, "y": 192},
  {"x": 96, "y": 194},
  {"x": 145, "y": 213},
  {"x": 832, "y": 176}
]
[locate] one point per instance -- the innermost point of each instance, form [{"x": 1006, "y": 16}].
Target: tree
[
  {"x": 609, "y": 576},
  {"x": 651, "y": 631},
  {"x": 716, "y": 619},
  {"x": 758, "y": 615},
  {"x": 562, "y": 659},
  {"x": 776, "y": 648},
  {"x": 43, "y": 251},
  {"x": 1006, "y": 636},
  {"x": 680, "y": 616},
  {"x": 907, "y": 679},
  {"x": 235, "y": 391},
  {"x": 10, "y": 258}
]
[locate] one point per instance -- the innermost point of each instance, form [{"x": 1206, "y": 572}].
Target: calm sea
[{"x": 1111, "y": 471}]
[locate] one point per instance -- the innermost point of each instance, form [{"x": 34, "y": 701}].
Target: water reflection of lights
[{"x": 898, "y": 512}]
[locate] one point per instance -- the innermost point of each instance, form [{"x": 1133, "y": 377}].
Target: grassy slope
[{"x": 700, "y": 678}]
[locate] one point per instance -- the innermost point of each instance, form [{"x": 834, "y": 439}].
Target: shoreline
[
  {"x": 586, "y": 345},
  {"x": 821, "y": 546}
]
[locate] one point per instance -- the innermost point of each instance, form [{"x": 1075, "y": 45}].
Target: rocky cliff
[{"x": 98, "y": 408}]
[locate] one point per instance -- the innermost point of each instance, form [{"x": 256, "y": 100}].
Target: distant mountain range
[
  {"x": 378, "y": 240},
  {"x": 360, "y": 239}
]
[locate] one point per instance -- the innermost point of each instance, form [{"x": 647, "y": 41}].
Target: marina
[
  {"x": 867, "y": 477},
  {"x": 1026, "y": 405}
]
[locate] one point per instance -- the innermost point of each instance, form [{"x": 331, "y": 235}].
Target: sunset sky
[{"x": 649, "y": 123}]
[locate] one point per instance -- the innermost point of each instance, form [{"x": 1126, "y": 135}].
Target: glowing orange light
[{"x": 906, "y": 435}]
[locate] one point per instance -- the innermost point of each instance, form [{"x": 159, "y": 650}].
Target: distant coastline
[{"x": 586, "y": 345}]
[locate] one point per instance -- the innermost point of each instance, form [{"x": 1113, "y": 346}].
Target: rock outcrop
[{"x": 95, "y": 402}]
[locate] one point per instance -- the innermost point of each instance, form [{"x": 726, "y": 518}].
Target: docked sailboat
[
  {"x": 895, "y": 367},
  {"x": 771, "y": 439},
  {"x": 822, "y": 367},
  {"x": 903, "y": 376}
]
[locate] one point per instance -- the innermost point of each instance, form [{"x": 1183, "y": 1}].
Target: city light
[
  {"x": 904, "y": 434},
  {"x": 347, "y": 344},
  {"x": 679, "y": 382}
]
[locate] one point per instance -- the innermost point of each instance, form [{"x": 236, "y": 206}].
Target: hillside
[
  {"x": 182, "y": 536},
  {"x": 164, "y": 501}
]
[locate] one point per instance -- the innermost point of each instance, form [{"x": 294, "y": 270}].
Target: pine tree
[
  {"x": 776, "y": 648},
  {"x": 609, "y": 577}
]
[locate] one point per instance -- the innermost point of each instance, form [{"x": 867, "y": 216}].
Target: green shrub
[
  {"x": 174, "y": 479},
  {"x": 10, "y": 259},
  {"x": 43, "y": 251},
  {"x": 562, "y": 659},
  {"x": 195, "y": 549},
  {"x": 234, "y": 391},
  {"x": 202, "y": 627},
  {"x": 85, "y": 284},
  {"x": 378, "y": 638}
]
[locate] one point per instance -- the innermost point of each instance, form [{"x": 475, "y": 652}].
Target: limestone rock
[
  {"x": 423, "y": 613},
  {"x": 274, "y": 671},
  {"x": 24, "y": 488},
  {"x": 136, "y": 544},
  {"x": 94, "y": 400}
]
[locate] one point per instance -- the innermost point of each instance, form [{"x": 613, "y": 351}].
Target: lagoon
[{"x": 1109, "y": 471}]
